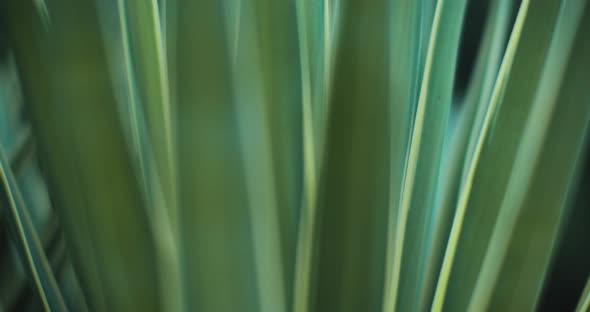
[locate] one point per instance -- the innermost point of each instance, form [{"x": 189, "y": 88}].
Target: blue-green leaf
[{"x": 28, "y": 241}]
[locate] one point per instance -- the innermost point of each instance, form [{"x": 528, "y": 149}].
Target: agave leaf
[
  {"x": 149, "y": 65},
  {"x": 315, "y": 61},
  {"x": 476, "y": 100},
  {"x": 488, "y": 171},
  {"x": 313, "y": 22},
  {"x": 543, "y": 174},
  {"x": 475, "y": 146},
  {"x": 13, "y": 281},
  {"x": 216, "y": 232},
  {"x": 405, "y": 72},
  {"x": 169, "y": 25},
  {"x": 233, "y": 21},
  {"x": 28, "y": 241},
  {"x": 145, "y": 68},
  {"x": 323, "y": 38},
  {"x": 268, "y": 109},
  {"x": 353, "y": 187},
  {"x": 280, "y": 81},
  {"x": 584, "y": 303},
  {"x": 22, "y": 150},
  {"x": 318, "y": 25},
  {"x": 422, "y": 165},
  {"x": 306, "y": 227},
  {"x": 63, "y": 67},
  {"x": 469, "y": 120}
]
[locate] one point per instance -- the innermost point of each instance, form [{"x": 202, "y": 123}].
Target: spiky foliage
[{"x": 305, "y": 155}]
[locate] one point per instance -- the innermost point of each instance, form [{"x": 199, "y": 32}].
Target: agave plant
[{"x": 305, "y": 155}]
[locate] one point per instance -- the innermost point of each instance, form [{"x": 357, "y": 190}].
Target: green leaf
[
  {"x": 584, "y": 303},
  {"x": 470, "y": 119},
  {"x": 353, "y": 189},
  {"x": 268, "y": 112},
  {"x": 405, "y": 72},
  {"x": 316, "y": 32},
  {"x": 219, "y": 260},
  {"x": 318, "y": 29},
  {"x": 143, "y": 31},
  {"x": 28, "y": 241},
  {"x": 150, "y": 124},
  {"x": 543, "y": 173},
  {"x": 89, "y": 168},
  {"x": 280, "y": 76},
  {"x": 260, "y": 155},
  {"x": 488, "y": 176},
  {"x": 417, "y": 201}
]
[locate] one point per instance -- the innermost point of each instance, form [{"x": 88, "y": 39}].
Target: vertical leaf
[
  {"x": 150, "y": 125},
  {"x": 469, "y": 121},
  {"x": 543, "y": 172},
  {"x": 422, "y": 169},
  {"x": 216, "y": 234},
  {"x": 28, "y": 241},
  {"x": 352, "y": 184},
  {"x": 149, "y": 65},
  {"x": 280, "y": 76},
  {"x": 405, "y": 72},
  {"x": 64, "y": 71},
  {"x": 488, "y": 170}
]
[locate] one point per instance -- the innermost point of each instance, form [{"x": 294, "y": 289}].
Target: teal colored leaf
[
  {"x": 28, "y": 241},
  {"x": 530, "y": 217},
  {"x": 216, "y": 231},
  {"x": 405, "y": 72},
  {"x": 316, "y": 23},
  {"x": 488, "y": 171},
  {"x": 422, "y": 168},
  {"x": 470, "y": 119},
  {"x": 150, "y": 123},
  {"x": 89, "y": 169}
]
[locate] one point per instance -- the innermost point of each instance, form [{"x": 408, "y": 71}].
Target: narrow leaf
[
  {"x": 28, "y": 241},
  {"x": 422, "y": 169},
  {"x": 543, "y": 175},
  {"x": 218, "y": 251},
  {"x": 470, "y": 119},
  {"x": 89, "y": 169},
  {"x": 405, "y": 72},
  {"x": 151, "y": 137},
  {"x": 487, "y": 172},
  {"x": 584, "y": 303}
]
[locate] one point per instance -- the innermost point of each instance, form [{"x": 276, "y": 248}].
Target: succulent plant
[{"x": 304, "y": 155}]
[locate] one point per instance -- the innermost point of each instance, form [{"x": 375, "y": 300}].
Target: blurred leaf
[
  {"x": 216, "y": 233},
  {"x": 489, "y": 169},
  {"x": 584, "y": 303},
  {"x": 469, "y": 121},
  {"x": 544, "y": 172},
  {"x": 152, "y": 136},
  {"x": 352, "y": 185},
  {"x": 28, "y": 241},
  {"x": 260, "y": 155},
  {"x": 421, "y": 172},
  {"x": 64, "y": 69},
  {"x": 149, "y": 66},
  {"x": 405, "y": 71},
  {"x": 316, "y": 23},
  {"x": 280, "y": 76}
]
